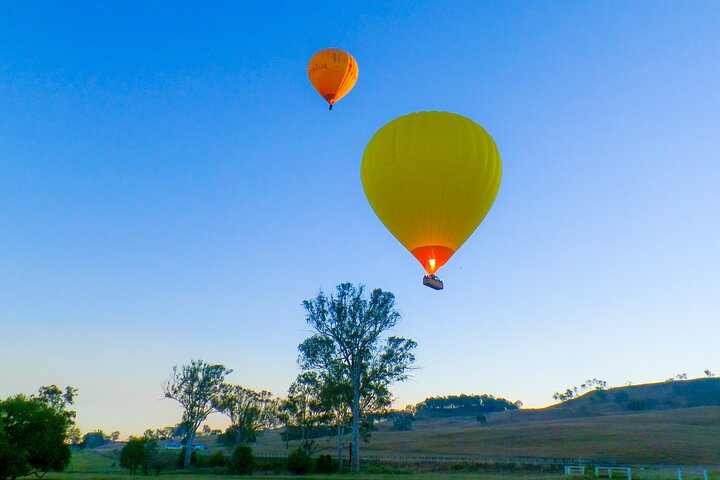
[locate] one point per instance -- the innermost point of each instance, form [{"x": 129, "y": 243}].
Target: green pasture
[
  {"x": 361, "y": 476},
  {"x": 123, "y": 475},
  {"x": 98, "y": 465}
]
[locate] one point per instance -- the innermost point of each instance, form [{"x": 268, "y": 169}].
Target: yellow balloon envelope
[{"x": 431, "y": 177}]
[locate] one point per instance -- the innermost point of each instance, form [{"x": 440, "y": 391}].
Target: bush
[
  {"x": 242, "y": 460},
  {"x": 162, "y": 461},
  {"x": 218, "y": 459},
  {"x": 275, "y": 466},
  {"x": 298, "y": 462},
  {"x": 637, "y": 405},
  {"x": 325, "y": 464},
  {"x": 180, "y": 462},
  {"x": 139, "y": 453}
]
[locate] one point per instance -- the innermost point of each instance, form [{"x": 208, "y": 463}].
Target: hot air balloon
[
  {"x": 333, "y": 73},
  {"x": 431, "y": 178}
]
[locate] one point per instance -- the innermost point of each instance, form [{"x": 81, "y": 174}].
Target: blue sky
[{"x": 171, "y": 187}]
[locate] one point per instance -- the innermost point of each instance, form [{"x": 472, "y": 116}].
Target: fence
[{"x": 454, "y": 458}]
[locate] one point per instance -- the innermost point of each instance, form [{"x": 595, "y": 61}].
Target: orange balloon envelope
[{"x": 333, "y": 73}]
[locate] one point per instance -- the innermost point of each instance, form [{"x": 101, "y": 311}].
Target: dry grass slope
[{"x": 682, "y": 436}]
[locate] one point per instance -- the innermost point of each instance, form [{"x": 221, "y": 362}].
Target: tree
[
  {"x": 336, "y": 398},
  {"x": 33, "y": 435},
  {"x": 303, "y": 411},
  {"x": 139, "y": 453},
  {"x": 196, "y": 388},
  {"x": 95, "y": 439},
  {"x": 56, "y": 398},
  {"x": 708, "y": 373},
  {"x": 575, "y": 392},
  {"x": 250, "y": 412},
  {"x": 348, "y": 343},
  {"x": 133, "y": 454},
  {"x": 242, "y": 460},
  {"x": 402, "y": 420},
  {"x": 115, "y": 436},
  {"x": 465, "y": 404}
]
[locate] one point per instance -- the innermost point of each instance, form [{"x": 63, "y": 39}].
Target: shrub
[
  {"x": 138, "y": 453},
  {"x": 181, "y": 458},
  {"x": 298, "y": 462},
  {"x": 275, "y": 466},
  {"x": 162, "y": 461},
  {"x": 218, "y": 459},
  {"x": 325, "y": 464},
  {"x": 242, "y": 460}
]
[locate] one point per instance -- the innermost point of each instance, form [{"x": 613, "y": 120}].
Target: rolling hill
[{"x": 662, "y": 423}]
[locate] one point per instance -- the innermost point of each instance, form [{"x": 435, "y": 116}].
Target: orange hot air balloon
[
  {"x": 333, "y": 73},
  {"x": 431, "y": 178}
]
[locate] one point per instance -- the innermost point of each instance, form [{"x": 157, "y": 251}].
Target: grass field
[
  {"x": 103, "y": 465},
  {"x": 362, "y": 476},
  {"x": 689, "y": 436},
  {"x": 642, "y": 475},
  {"x": 678, "y": 436}
]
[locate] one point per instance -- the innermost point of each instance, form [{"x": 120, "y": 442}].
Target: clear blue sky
[{"x": 171, "y": 187}]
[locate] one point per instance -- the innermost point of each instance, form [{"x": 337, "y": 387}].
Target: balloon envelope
[
  {"x": 431, "y": 178},
  {"x": 333, "y": 73}
]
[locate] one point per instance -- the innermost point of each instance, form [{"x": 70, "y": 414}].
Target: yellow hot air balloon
[
  {"x": 333, "y": 73},
  {"x": 431, "y": 177}
]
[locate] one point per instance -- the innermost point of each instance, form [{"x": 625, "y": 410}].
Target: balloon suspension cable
[{"x": 330, "y": 107}]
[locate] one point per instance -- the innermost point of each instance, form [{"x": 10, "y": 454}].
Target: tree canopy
[
  {"x": 196, "y": 387},
  {"x": 464, "y": 404},
  {"x": 348, "y": 348},
  {"x": 33, "y": 433},
  {"x": 250, "y": 412}
]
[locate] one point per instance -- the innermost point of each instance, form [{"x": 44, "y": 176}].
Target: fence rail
[
  {"x": 454, "y": 458},
  {"x": 646, "y": 469}
]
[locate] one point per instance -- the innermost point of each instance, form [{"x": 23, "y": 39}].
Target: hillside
[
  {"x": 615, "y": 401},
  {"x": 681, "y": 436},
  {"x": 686, "y": 436},
  {"x": 700, "y": 392},
  {"x": 662, "y": 423}
]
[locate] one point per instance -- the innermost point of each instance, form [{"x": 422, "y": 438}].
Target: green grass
[
  {"x": 97, "y": 465},
  {"x": 640, "y": 475},
  {"x": 99, "y": 460},
  {"x": 362, "y": 476}
]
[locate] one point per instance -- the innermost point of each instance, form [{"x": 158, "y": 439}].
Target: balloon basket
[{"x": 433, "y": 282}]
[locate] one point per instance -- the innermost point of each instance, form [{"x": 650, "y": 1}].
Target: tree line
[
  {"x": 465, "y": 404},
  {"x": 348, "y": 365}
]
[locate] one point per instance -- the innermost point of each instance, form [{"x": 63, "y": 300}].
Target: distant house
[{"x": 179, "y": 446}]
